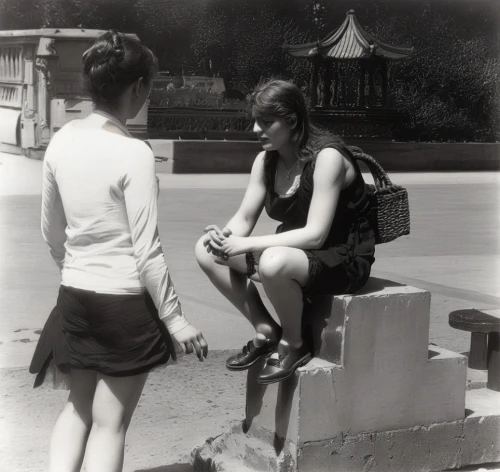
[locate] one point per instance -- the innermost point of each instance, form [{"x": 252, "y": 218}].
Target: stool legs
[
  {"x": 478, "y": 355},
  {"x": 494, "y": 362}
]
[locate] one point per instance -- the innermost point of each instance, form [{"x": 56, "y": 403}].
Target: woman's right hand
[
  {"x": 189, "y": 338},
  {"x": 213, "y": 239}
]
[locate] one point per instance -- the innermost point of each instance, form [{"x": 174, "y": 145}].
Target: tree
[
  {"x": 242, "y": 41},
  {"x": 90, "y": 14},
  {"x": 449, "y": 85}
]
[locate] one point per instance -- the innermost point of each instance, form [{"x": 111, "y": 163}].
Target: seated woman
[{"x": 308, "y": 180}]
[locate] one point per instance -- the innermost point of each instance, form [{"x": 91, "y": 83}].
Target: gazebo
[{"x": 353, "y": 66}]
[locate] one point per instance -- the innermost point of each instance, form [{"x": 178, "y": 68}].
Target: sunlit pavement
[{"x": 453, "y": 251}]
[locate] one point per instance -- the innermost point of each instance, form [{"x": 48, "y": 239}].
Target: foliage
[
  {"x": 450, "y": 85},
  {"x": 92, "y": 14},
  {"x": 242, "y": 42}
]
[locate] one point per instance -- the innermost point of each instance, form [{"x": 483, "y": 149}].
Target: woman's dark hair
[
  {"x": 285, "y": 100},
  {"x": 113, "y": 63}
]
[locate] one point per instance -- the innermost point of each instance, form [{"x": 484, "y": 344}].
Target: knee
[
  {"x": 109, "y": 428},
  {"x": 108, "y": 419},
  {"x": 80, "y": 404},
  {"x": 273, "y": 263},
  {"x": 82, "y": 411},
  {"x": 204, "y": 258}
]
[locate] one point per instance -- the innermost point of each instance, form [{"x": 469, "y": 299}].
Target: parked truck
[{"x": 41, "y": 87}]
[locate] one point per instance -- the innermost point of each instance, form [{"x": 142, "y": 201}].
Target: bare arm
[
  {"x": 245, "y": 219},
  {"x": 53, "y": 222},
  {"x": 328, "y": 177}
]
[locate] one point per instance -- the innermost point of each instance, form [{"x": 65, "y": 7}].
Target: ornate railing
[
  {"x": 11, "y": 95},
  {"x": 359, "y": 122},
  {"x": 199, "y": 123},
  {"x": 11, "y": 63},
  {"x": 191, "y": 123}
]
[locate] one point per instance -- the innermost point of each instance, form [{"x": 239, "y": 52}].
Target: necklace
[{"x": 286, "y": 170}]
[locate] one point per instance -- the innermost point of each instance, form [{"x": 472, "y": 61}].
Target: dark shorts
[
  {"x": 325, "y": 280},
  {"x": 339, "y": 277},
  {"x": 116, "y": 335}
]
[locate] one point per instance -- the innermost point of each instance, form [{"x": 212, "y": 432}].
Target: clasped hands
[{"x": 223, "y": 244}]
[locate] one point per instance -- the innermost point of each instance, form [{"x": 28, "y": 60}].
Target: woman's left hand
[{"x": 235, "y": 245}]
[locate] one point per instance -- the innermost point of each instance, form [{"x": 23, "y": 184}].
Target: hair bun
[
  {"x": 113, "y": 63},
  {"x": 118, "y": 53},
  {"x": 117, "y": 48},
  {"x": 109, "y": 49}
]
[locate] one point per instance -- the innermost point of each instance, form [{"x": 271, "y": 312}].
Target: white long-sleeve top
[{"x": 100, "y": 214}]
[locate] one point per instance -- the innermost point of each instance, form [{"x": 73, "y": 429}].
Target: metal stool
[{"x": 485, "y": 341}]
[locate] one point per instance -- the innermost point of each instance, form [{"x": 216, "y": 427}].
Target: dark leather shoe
[
  {"x": 282, "y": 368},
  {"x": 249, "y": 355}
]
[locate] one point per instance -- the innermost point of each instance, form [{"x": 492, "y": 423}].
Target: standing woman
[
  {"x": 308, "y": 181},
  {"x": 117, "y": 310}
]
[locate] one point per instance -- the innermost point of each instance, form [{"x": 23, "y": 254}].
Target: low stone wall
[
  {"x": 219, "y": 157},
  {"x": 200, "y": 156},
  {"x": 426, "y": 157}
]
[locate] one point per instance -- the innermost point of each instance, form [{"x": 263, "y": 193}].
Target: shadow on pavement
[
  {"x": 170, "y": 468},
  {"x": 493, "y": 467}
]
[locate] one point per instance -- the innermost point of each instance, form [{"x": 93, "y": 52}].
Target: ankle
[
  {"x": 296, "y": 344},
  {"x": 259, "y": 340},
  {"x": 270, "y": 333}
]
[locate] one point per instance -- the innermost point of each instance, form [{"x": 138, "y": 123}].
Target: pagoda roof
[{"x": 349, "y": 41}]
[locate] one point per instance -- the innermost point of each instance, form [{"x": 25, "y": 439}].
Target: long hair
[{"x": 285, "y": 100}]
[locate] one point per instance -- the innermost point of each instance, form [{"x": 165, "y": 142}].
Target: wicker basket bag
[{"x": 389, "y": 208}]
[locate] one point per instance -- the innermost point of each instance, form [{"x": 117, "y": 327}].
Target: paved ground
[{"x": 453, "y": 251}]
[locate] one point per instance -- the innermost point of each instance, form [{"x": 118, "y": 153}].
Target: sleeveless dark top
[{"x": 343, "y": 263}]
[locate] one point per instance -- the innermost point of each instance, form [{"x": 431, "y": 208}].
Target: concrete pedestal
[
  {"x": 376, "y": 396},
  {"x": 427, "y": 448}
]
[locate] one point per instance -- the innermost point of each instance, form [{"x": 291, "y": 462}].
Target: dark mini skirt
[
  {"x": 343, "y": 268},
  {"x": 115, "y": 335}
]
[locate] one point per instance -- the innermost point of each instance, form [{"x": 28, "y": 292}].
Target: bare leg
[
  {"x": 69, "y": 437},
  {"x": 283, "y": 271},
  {"x": 231, "y": 281},
  {"x": 114, "y": 404}
]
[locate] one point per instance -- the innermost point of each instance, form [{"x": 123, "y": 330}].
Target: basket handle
[{"x": 380, "y": 176}]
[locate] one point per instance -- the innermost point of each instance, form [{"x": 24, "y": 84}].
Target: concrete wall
[
  {"x": 379, "y": 374},
  {"x": 200, "y": 156}
]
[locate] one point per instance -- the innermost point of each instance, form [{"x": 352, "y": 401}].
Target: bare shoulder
[
  {"x": 259, "y": 160},
  {"x": 329, "y": 154},
  {"x": 329, "y": 161},
  {"x": 258, "y": 163}
]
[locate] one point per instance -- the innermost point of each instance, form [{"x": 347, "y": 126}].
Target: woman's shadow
[{"x": 170, "y": 468}]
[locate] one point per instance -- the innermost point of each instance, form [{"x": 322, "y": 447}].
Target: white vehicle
[{"x": 41, "y": 87}]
